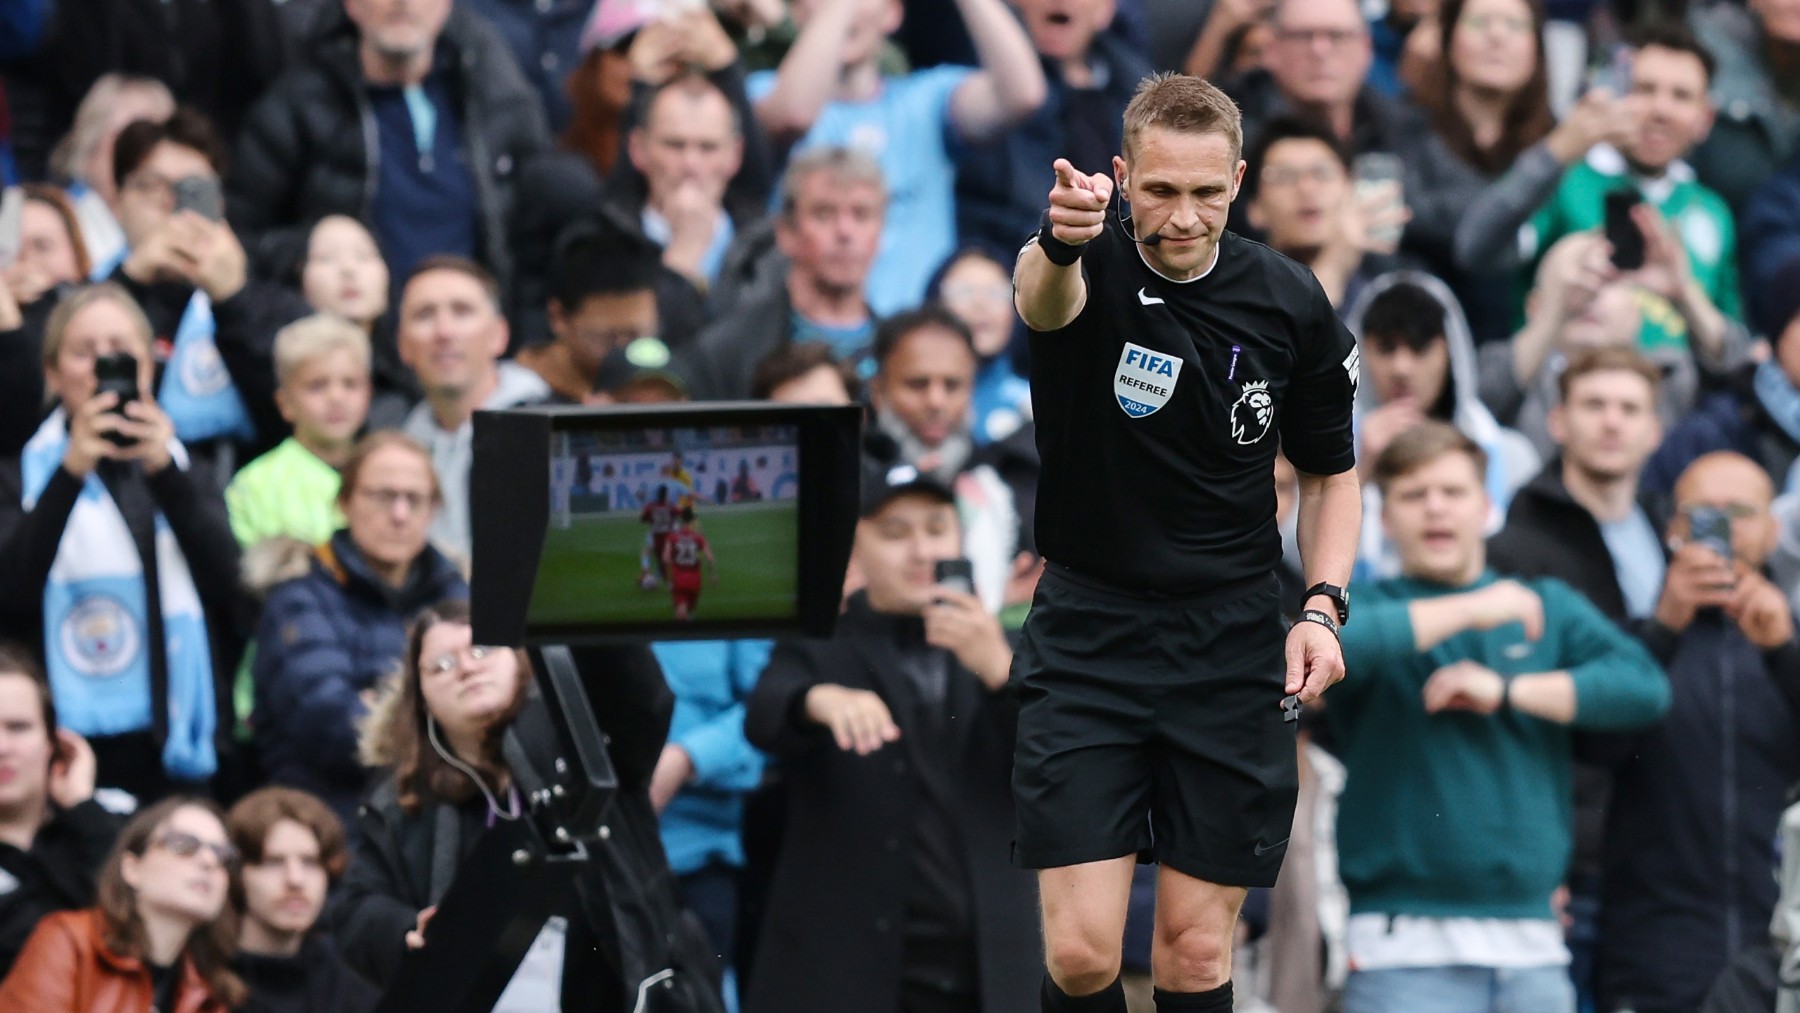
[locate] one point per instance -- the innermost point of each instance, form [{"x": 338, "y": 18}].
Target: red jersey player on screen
[
  {"x": 659, "y": 513},
  {"x": 681, "y": 557}
]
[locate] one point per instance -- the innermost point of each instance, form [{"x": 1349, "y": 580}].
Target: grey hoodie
[
  {"x": 1512, "y": 461},
  {"x": 452, "y": 453}
]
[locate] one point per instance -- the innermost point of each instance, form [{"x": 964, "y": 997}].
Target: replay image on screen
[{"x": 657, "y": 525}]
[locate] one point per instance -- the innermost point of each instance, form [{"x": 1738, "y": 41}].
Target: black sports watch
[{"x": 1339, "y": 597}]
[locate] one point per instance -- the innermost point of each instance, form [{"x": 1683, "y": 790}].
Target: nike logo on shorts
[
  {"x": 1147, "y": 299},
  {"x": 1262, "y": 849}
]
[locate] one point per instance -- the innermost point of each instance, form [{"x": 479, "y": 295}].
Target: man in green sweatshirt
[{"x": 1454, "y": 723}]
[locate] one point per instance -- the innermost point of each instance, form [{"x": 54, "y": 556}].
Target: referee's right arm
[{"x": 1049, "y": 289}]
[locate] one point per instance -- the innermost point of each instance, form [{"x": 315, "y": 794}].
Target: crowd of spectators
[{"x": 262, "y": 261}]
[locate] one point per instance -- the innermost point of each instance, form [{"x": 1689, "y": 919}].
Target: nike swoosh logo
[
  {"x": 1147, "y": 299},
  {"x": 1262, "y": 850}
]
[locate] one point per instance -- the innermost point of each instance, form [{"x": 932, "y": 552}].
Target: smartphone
[
  {"x": 955, "y": 573},
  {"x": 1710, "y": 527},
  {"x": 117, "y": 374},
  {"x": 1379, "y": 172},
  {"x": 201, "y": 195},
  {"x": 1622, "y": 232}
]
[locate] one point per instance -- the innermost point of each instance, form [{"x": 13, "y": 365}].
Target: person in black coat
[
  {"x": 1575, "y": 519},
  {"x": 305, "y": 152},
  {"x": 117, "y": 561},
  {"x": 893, "y": 892},
  {"x": 1690, "y": 858},
  {"x": 292, "y": 849},
  {"x": 216, "y": 57},
  {"x": 443, "y": 721},
  {"x": 54, "y": 837}
]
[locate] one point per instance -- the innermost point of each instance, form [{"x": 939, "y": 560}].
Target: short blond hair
[
  {"x": 310, "y": 339},
  {"x": 1184, "y": 104}
]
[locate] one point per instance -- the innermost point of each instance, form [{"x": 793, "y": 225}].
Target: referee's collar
[{"x": 1218, "y": 251}]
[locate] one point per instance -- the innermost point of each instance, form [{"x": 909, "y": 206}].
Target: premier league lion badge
[{"x": 1253, "y": 413}]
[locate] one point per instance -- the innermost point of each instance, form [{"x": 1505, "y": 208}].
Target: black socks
[
  {"x": 1110, "y": 999},
  {"x": 1215, "y": 1000}
]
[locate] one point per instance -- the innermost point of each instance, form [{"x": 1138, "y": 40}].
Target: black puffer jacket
[{"x": 309, "y": 148}]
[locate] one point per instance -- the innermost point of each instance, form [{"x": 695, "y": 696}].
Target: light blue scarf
[
  {"x": 96, "y": 618},
  {"x": 1778, "y": 397},
  {"x": 196, "y": 392}
]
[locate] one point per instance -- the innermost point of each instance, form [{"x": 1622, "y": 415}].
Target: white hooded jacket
[{"x": 1512, "y": 460}]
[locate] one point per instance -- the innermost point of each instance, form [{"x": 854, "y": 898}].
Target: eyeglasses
[
  {"x": 1735, "y": 511},
  {"x": 182, "y": 844},
  {"x": 444, "y": 664},
  {"x": 1288, "y": 175},
  {"x": 386, "y": 498},
  {"x": 1512, "y": 24},
  {"x": 1338, "y": 38}
]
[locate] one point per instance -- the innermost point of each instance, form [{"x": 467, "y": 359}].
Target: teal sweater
[{"x": 1460, "y": 814}]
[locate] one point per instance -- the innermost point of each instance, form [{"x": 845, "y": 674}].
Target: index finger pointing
[{"x": 1066, "y": 174}]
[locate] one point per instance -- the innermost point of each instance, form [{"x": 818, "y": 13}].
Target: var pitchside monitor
[{"x": 660, "y": 521}]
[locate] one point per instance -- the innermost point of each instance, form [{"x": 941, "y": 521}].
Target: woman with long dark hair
[
  {"x": 1488, "y": 98},
  {"x": 161, "y": 936},
  {"x": 438, "y": 732}
]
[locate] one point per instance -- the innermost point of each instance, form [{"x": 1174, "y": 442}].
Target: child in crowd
[{"x": 322, "y": 372}]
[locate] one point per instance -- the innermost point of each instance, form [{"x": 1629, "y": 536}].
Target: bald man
[{"x": 1690, "y": 844}]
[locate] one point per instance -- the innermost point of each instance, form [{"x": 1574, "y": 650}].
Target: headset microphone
[{"x": 1154, "y": 239}]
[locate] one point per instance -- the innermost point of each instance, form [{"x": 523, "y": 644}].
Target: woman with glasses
[
  {"x": 619, "y": 943},
  {"x": 161, "y": 937},
  {"x": 117, "y": 555},
  {"x": 334, "y": 620}
]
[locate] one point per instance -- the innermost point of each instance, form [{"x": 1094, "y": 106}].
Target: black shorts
[{"x": 1154, "y": 728}]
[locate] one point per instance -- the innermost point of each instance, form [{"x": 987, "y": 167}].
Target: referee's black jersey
[{"x": 1159, "y": 410}]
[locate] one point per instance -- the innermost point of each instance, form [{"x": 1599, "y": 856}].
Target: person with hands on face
[
  {"x": 116, "y": 555},
  {"x": 54, "y": 836},
  {"x": 1582, "y": 301},
  {"x": 1177, "y": 355},
  {"x": 1450, "y": 875},
  {"x": 895, "y": 739},
  {"x": 1690, "y": 839}
]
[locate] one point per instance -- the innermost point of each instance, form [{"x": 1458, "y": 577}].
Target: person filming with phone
[
  {"x": 184, "y": 265},
  {"x": 896, "y": 740},
  {"x": 1690, "y": 856},
  {"x": 116, "y": 556}
]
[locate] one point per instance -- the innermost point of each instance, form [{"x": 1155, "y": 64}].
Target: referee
[{"x": 1169, "y": 359}]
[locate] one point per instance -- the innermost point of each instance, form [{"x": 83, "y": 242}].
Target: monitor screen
[
  {"x": 659, "y": 522},
  {"x": 671, "y": 523}
]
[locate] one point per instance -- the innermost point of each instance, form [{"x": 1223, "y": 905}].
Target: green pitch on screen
[{"x": 590, "y": 569}]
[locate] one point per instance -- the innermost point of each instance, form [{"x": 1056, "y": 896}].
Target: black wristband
[
  {"x": 1060, "y": 253},
  {"x": 1322, "y": 618},
  {"x": 1506, "y": 703}
]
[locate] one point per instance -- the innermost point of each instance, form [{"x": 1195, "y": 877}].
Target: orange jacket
[{"x": 65, "y": 967}]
